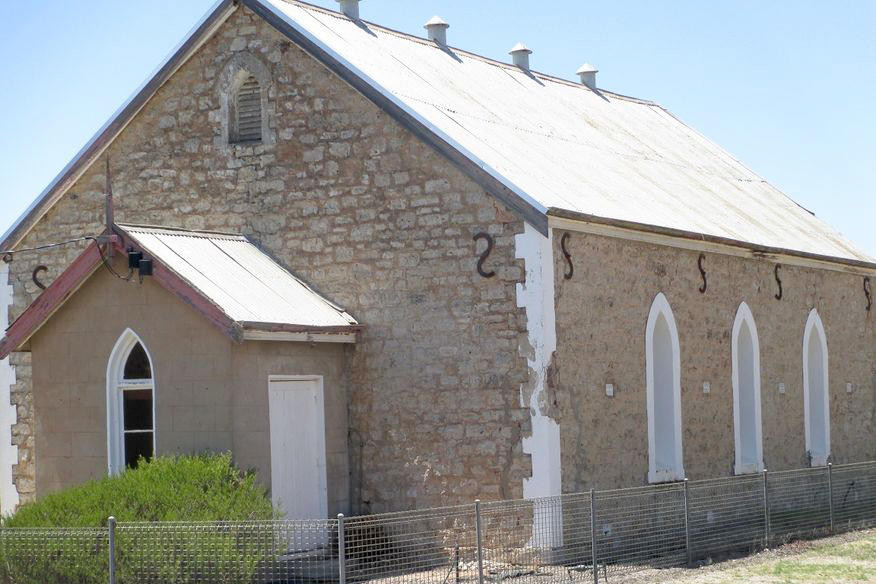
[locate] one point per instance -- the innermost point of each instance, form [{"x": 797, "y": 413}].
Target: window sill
[
  {"x": 746, "y": 469},
  {"x": 664, "y": 476}
]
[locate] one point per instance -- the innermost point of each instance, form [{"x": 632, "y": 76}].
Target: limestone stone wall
[
  {"x": 602, "y": 313},
  {"x": 370, "y": 217}
]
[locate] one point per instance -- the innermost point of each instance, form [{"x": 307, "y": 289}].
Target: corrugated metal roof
[
  {"x": 559, "y": 144},
  {"x": 244, "y": 282}
]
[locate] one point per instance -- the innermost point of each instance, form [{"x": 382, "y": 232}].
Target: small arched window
[
  {"x": 747, "y": 429},
  {"x": 816, "y": 403},
  {"x": 246, "y": 112},
  {"x": 130, "y": 404},
  {"x": 663, "y": 379}
]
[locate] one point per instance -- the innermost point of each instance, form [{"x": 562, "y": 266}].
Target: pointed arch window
[
  {"x": 246, "y": 111},
  {"x": 747, "y": 426},
  {"x": 816, "y": 402},
  {"x": 130, "y": 404},
  {"x": 663, "y": 382}
]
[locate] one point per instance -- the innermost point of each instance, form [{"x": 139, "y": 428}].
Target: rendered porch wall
[{"x": 211, "y": 394}]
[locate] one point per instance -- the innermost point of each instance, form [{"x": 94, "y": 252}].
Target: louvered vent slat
[{"x": 249, "y": 111}]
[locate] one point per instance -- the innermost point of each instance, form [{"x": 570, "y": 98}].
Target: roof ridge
[
  {"x": 489, "y": 60},
  {"x": 205, "y": 233}
]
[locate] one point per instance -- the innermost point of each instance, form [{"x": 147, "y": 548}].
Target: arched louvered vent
[{"x": 249, "y": 112}]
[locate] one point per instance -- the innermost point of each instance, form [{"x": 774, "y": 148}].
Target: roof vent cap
[
  {"x": 436, "y": 28},
  {"x": 350, "y": 8},
  {"x": 520, "y": 53},
  {"x": 587, "y": 73}
]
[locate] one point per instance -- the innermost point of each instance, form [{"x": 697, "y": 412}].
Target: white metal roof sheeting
[
  {"x": 245, "y": 283},
  {"x": 560, "y": 144}
]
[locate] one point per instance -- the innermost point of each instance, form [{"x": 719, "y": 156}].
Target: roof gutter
[
  {"x": 202, "y": 31},
  {"x": 564, "y": 219}
]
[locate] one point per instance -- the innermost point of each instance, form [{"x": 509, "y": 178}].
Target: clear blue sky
[{"x": 786, "y": 86}]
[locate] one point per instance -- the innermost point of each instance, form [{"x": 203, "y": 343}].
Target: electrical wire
[
  {"x": 112, "y": 270},
  {"x": 9, "y": 255}
]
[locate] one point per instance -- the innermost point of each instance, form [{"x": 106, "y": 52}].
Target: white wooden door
[{"x": 298, "y": 465}]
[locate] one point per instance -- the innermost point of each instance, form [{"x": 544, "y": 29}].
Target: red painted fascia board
[
  {"x": 180, "y": 288},
  {"x": 51, "y": 300},
  {"x": 80, "y": 270},
  {"x": 272, "y": 327}
]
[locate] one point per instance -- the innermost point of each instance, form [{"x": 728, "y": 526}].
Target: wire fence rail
[{"x": 585, "y": 537}]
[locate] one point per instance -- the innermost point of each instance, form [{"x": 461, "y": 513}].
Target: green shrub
[
  {"x": 174, "y": 488},
  {"x": 207, "y": 489}
]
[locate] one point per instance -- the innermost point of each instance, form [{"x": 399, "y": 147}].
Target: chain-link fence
[{"x": 581, "y": 537}]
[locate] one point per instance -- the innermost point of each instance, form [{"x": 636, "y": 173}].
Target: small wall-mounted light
[
  {"x": 850, "y": 388},
  {"x": 134, "y": 258},
  {"x": 609, "y": 389},
  {"x": 782, "y": 388},
  {"x": 707, "y": 387},
  {"x": 137, "y": 262}
]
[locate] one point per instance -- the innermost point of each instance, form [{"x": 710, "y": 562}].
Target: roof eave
[
  {"x": 755, "y": 250},
  {"x": 119, "y": 120},
  {"x": 266, "y": 331}
]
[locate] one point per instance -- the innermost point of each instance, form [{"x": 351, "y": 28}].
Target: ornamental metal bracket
[
  {"x": 779, "y": 282},
  {"x": 868, "y": 293},
  {"x": 571, "y": 271},
  {"x": 35, "y": 276},
  {"x": 485, "y": 254},
  {"x": 705, "y": 285}
]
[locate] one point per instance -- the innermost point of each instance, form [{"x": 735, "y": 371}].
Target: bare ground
[{"x": 847, "y": 558}]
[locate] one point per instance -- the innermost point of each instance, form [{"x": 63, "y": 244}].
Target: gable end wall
[{"x": 370, "y": 217}]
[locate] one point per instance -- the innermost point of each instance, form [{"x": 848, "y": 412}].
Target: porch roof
[{"x": 225, "y": 277}]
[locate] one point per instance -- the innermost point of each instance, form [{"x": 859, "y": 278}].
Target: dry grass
[{"x": 848, "y": 558}]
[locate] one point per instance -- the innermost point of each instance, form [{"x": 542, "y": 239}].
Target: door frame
[{"x": 320, "y": 399}]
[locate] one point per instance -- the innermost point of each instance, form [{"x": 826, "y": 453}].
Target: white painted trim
[
  {"x": 699, "y": 246},
  {"x": 8, "y": 413},
  {"x": 115, "y": 442},
  {"x": 661, "y": 306},
  {"x": 744, "y": 316},
  {"x": 251, "y": 335},
  {"x": 813, "y": 322},
  {"x": 536, "y": 296},
  {"x": 320, "y": 406},
  {"x": 296, "y": 378}
]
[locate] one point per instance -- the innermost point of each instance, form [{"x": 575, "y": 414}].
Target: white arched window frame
[
  {"x": 115, "y": 388},
  {"x": 747, "y": 422},
  {"x": 816, "y": 393},
  {"x": 663, "y": 382}
]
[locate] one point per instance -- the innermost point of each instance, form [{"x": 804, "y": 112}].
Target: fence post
[
  {"x": 112, "y": 549},
  {"x": 766, "y": 509},
  {"x": 830, "y": 492},
  {"x": 687, "y": 524},
  {"x": 342, "y": 550},
  {"x": 593, "y": 547},
  {"x": 480, "y": 541}
]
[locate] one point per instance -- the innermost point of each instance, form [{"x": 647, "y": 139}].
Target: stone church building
[{"x": 387, "y": 273}]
